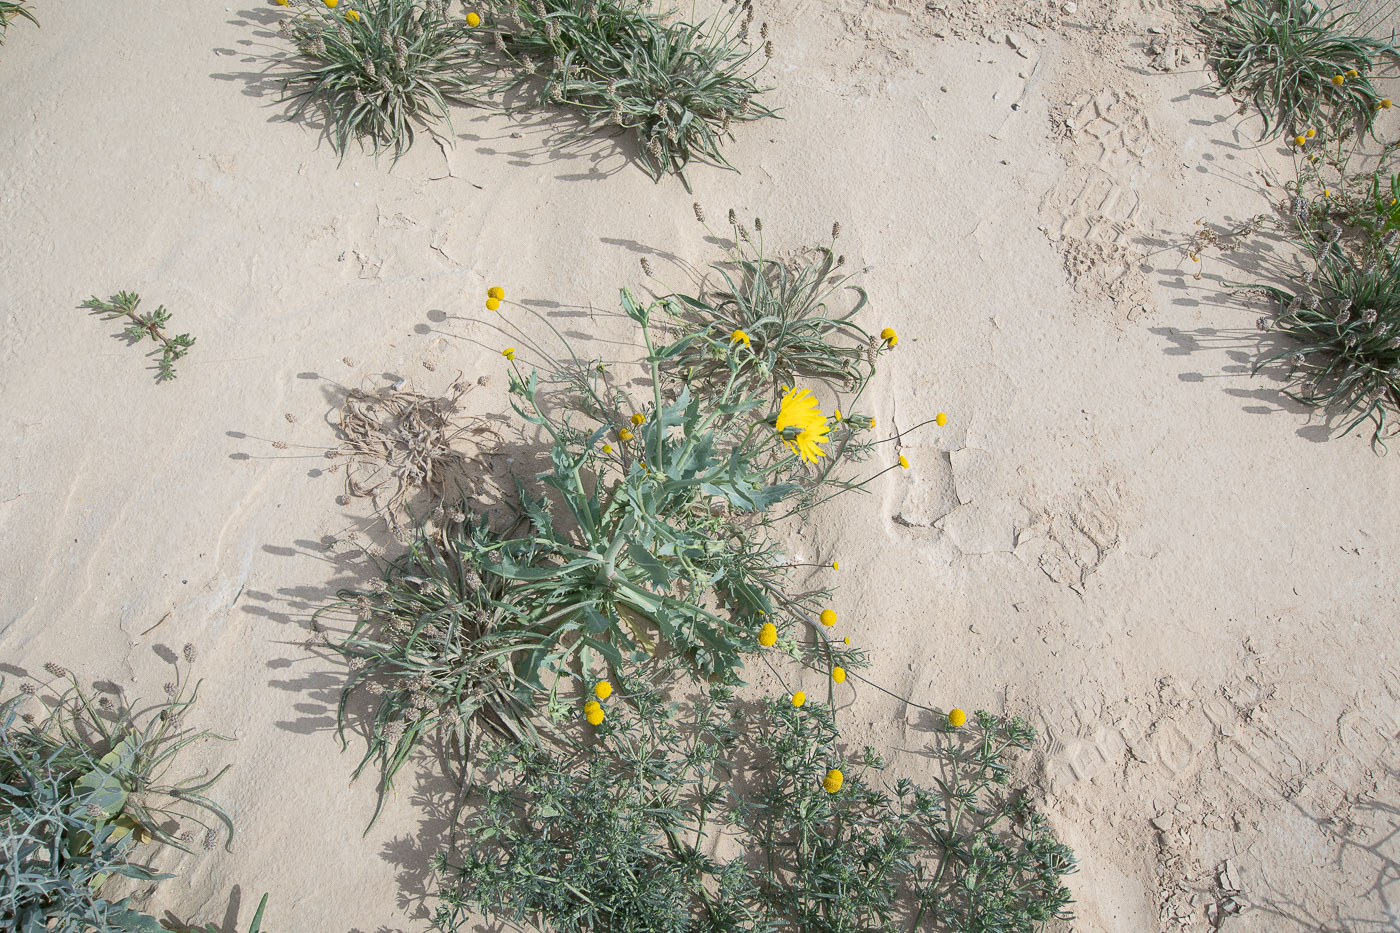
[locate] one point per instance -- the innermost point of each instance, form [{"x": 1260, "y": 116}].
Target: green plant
[
  {"x": 1347, "y": 319},
  {"x": 1286, "y": 56},
  {"x": 254, "y": 927},
  {"x": 10, "y": 9},
  {"x": 614, "y": 833},
  {"x": 676, "y": 86},
  {"x": 376, "y": 71},
  {"x": 80, "y": 788},
  {"x": 124, "y": 305}
]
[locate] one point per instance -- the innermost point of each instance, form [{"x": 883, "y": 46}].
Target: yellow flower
[
  {"x": 942, "y": 419},
  {"x": 473, "y": 20},
  {"x": 607, "y": 448},
  {"x": 838, "y": 674},
  {"x": 593, "y": 712},
  {"x": 738, "y": 336},
  {"x": 496, "y": 292},
  {"x": 956, "y": 718},
  {"x": 835, "y": 565},
  {"x": 351, "y": 16},
  {"x": 847, "y": 639},
  {"x": 638, "y": 418},
  {"x": 1352, "y": 73},
  {"x": 1339, "y": 80},
  {"x": 332, "y": 3},
  {"x": 1310, "y": 133},
  {"x": 798, "y": 699},
  {"x": 1326, "y": 192},
  {"x": 768, "y": 635},
  {"x": 624, "y": 435},
  {"x": 836, "y": 414},
  {"x": 889, "y": 336},
  {"x": 508, "y": 353},
  {"x": 903, "y": 461},
  {"x": 828, "y": 617},
  {"x": 1299, "y": 140},
  {"x": 492, "y": 304},
  {"x": 280, "y": 2},
  {"x": 798, "y": 409},
  {"x": 1385, "y": 103},
  {"x": 602, "y": 689},
  {"x": 833, "y": 781}
]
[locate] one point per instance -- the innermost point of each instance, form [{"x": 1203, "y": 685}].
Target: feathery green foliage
[
  {"x": 124, "y": 305},
  {"x": 1284, "y": 57}
]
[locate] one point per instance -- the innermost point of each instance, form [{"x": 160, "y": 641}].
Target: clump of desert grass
[
  {"x": 13, "y": 9},
  {"x": 677, "y": 87},
  {"x": 377, "y": 71}
]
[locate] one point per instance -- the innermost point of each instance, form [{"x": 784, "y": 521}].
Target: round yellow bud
[
  {"x": 593, "y": 712},
  {"x": 602, "y": 689},
  {"x": 828, "y": 617},
  {"x": 768, "y": 635},
  {"x": 941, "y": 420},
  {"x": 838, "y": 674},
  {"x": 956, "y": 718},
  {"x": 833, "y": 781},
  {"x": 492, "y": 304},
  {"x": 496, "y": 292},
  {"x": 798, "y": 699},
  {"x": 473, "y": 20}
]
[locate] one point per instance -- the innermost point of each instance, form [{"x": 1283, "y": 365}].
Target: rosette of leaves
[
  {"x": 12, "y": 9},
  {"x": 81, "y": 787},
  {"x": 677, "y": 87},
  {"x": 1282, "y": 56},
  {"x": 1346, "y": 322},
  {"x": 376, "y": 71}
]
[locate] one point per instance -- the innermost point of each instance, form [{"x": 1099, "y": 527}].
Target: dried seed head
[
  {"x": 211, "y": 839},
  {"x": 615, "y": 118},
  {"x": 94, "y": 811},
  {"x": 758, "y": 224},
  {"x": 29, "y": 718},
  {"x": 1308, "y": 277},
  {"x": 1298, "y": 207},
  {"x": 538, "y": 7},
  {"x": 344, "y": 33},
  {"x": 699, "y": 212},
  {"x": 646, "y": 266},
  {"x": 369, "y": 68},
  {"x": 401, "y": 61},
  {"x": 556, "y": 94},
  {"x": 394, "y": 731},
  {"x": 499, "y": 42},
  {"x": 1262, "y": 323},
  {"x": 551, "y": 31},
  {"x": 672, "y": 134},
  {"x": 836, "y": 230},
  {"x": 660, "y": 108},
  {"x": 654, "y": 147},
  {"x": 319, "y": 46},
  {"x": 104, "y": 703},
  {"x": 743, "y": 233},
  {"x": 384, "y": 37},
  {"x": 190, "y": 652},
  {"x": 355, "y": 664},
  {"x": 56, "y": 670},
  {"x": 375, "y": 687},
  {"x": 733, "y": 219},
  {"x": 529, "y": 66},
  {"x": 1343, "y": 314},
  {"x": 763, "y": 31},
  {"x": 384, "y": 85},
  {"x": 188, "y": 836},
  {"x": 169, "y": 689},
  {"x": 840, "y": 260},
  {"x": 413, "y": 714},
  {"x": 1311, "y": 301},
  {"x": 28, "y": 689},
  {"x": 1368, "y": 316},
  {"x": 724, "y": 121},
  {"x": 359, "y": 99},
  {"x": 744, "y": 107},
  {"x": 768, "y": 49},
  {"x": 400, "y": 46},
  {"x": 1393, "y": 343}
]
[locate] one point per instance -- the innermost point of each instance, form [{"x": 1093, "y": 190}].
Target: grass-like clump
[
  {"x": 375, "y": 71},
  {"x": 13, "y": 9},
  {"x": 1298, "y": 63},
  {"x": 677, "y": 87}
]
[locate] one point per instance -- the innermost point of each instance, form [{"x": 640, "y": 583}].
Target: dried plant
[
  {"x": 124, "y": 305},
  {"x": 378, "y": 70},
  {"x": 11, "y": 9},
  {"x": 398, "y": 442}
]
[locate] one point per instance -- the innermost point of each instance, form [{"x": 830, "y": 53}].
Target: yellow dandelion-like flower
[
  {"x": 1299, "y": 140},
  {"x": 1339, "y": 80},
  {"x": 828, "y": 617},
  {"x": 956, "y": 718},
  {"x": 798, "y": 699},
  {"x": 638, "y": 418},
  {"x": 768, "y": 635},
  {"x": 738, "y": 336},
  {"x": 593, "y": 712},
  {"x": 904, "y": 461},
  {"x": 838, "y": 674},
  {"x": 332, "y": 3},
  {"x": 798, "y": 410},
  {"x": 508, "y": 353},
  {"x": 496, "y": 292},
  {"x": 836, "y": 414},
  {"x": 941, "y": 419},
  {"x": 473, "y": 20},
  {"x": 492, "y": 304},
  {"x": 1310, "y": 133},
  {"x": 889, "y": 336},
  {"x": 624, "y": 435},
  {"x": 607, "y": 448},
  {"x": 833, "y": 781},
  {"x": 602, "y": 689},
  {"x": 1326, "y": 192},
  {"x": 351, "y": 16},
  {"x": 1385, "y": 103},
  {"x": 835, "y": 565},
  {"x": 1353, "y": 73},
  {"x": 847, "y": 639}
]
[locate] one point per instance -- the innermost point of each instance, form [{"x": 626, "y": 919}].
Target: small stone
[
  {"x": 1230, "y": 905},
  {"x": 1162, "y": 822},
  {"x": 1015, "y": 41},
  {"x": 1156, "y": 30},
  {"x": 1069, "y": 6}
]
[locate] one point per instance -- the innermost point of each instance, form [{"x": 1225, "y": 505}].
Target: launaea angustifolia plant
[
  {"x": 377, "y": 69},
  {"x": 13, "y": 9},
  {"x": 1345, "y": 321},
  {"x": 1300, "y": 64},
  {"x": 83, "y": 784},
  {"x": 125, "y": 305},
  {"x": 677, "y": 87},
  {"x": 616, "y": 832}
]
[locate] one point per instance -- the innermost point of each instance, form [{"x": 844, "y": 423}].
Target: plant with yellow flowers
[{"x": 377, "y": 71}]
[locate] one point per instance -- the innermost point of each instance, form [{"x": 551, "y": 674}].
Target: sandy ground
[{"x": 1120, "y": 534}]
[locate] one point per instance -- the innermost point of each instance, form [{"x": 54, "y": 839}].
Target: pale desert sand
[{"x": 1121, "y": 534}]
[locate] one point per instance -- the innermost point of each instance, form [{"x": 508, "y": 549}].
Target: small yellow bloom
[
  {"x": 889, "y": 336},
  {"x": 798, "y": 409},
  {"x": 473, "y": 20},
  {"x": 492, "y": 304},
  {"x": 838, "y": 674},
  {"x": 1385, "y": 103},
  {"x": 496, "y": 292},
  {"x": 1194, "y": 257},
  {"x": 1326, "y": 192},
  {"x": 768, "y": 635},
  {"x": 638, "y": 418},
  {"x": 738, "y": 336},
  {"x": 1310, "y": 133},
  {"x": 607, "y": 448},
  {"x": 280, "y": 2},
  {"x": 332, "y": 3},
  {"x": 872, "y": 424},
  {"x": 1299, "y": 140},
  {"x": 508, "y": 353},
  {"x": 828, "y": 617},
  {"x": 624, "y": 435},
  {"x": 833, "y": 781},
  {"x": 602, "y": 689},
  {"x": 836, "y": 414},
  {"x": 941, "y": 419},
  {"x": 903, "y": 461},
  {"x": 835, "y": 565},
  {"x": 593, "y": 712},
  {"x": 1339, "y": 80},
  {"x": 798, "y": 699},
  {"x": 351, "y": 16},
  {"x": 1352, "y": 73},
  {"x": 956, "y": 718},
  {"x": 847, "y": 639}
]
